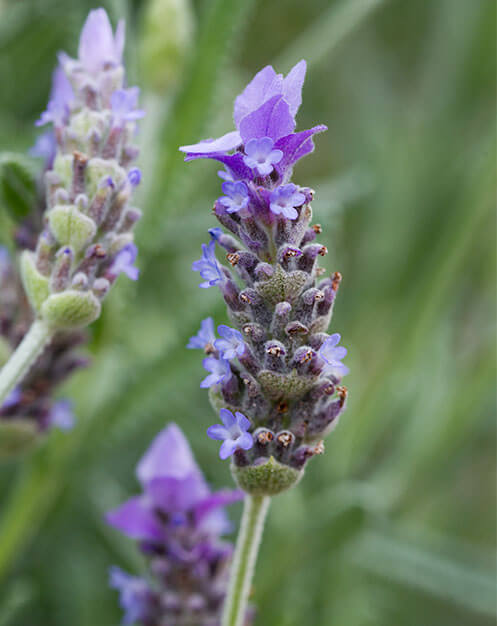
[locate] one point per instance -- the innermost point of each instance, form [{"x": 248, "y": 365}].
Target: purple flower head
[
  {"x": 61, "y": 97},
  {"x": 61, "y": 415},
  {"x": 123, "y": 104},
  {"x": 136, "y": 597},
  {"x": 284, "y": 199},
  {"x": 231, "y": 344},
  {"x": 205, "y": 338},
  {"x": 333, "y": 354},
  {"x": 123, "y": 263},
  {"x": 98, "y": 46},
  {"x": 209, "y": 268},
  {"x": 233, "y": 433},
  {"x": 45, "y": 148},
  {"x": 219, "y": 369},
  {"x": 134, "y": 176},
  {"x": 236, "y": 197},
  {"x": 259, "y": 155}
]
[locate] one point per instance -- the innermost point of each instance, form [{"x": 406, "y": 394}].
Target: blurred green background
[{"x": 395, "y": 524}]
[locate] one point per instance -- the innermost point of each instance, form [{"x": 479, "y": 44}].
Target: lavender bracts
[
  {"x": 178, "y": 523},
  {"x": 87, "y": 238},
  {"x": 276, "y": 375}
]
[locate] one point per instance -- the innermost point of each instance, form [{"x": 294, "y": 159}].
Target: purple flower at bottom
[
  {"x": 61, "y": 415},
  {"x": 136, "y": 597},
  {"x": 123, "y": 104},
  {"x": 236, "y": 197},
  {"x": 209, "y": 268},
  {"x": 231, "y": 344},
  {"x": 333, "y": 354},
  {"x": 261, "y": 156},
  {"x": 233, "y": 433},
  {"x": 284, "y": 199},
  {"x": 205, "y": 336},
  {"x": 123, "y": 263},
  {"x": 220, "y": 371}
]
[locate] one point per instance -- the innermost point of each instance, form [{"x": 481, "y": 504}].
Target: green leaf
[{"x": 17, "y": 185}]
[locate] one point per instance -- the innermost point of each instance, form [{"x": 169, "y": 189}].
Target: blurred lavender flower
[
  {"x": 89, "y": 182},
  {"x": 178, "y": 522},
  {"x": 277, "y": 368}
]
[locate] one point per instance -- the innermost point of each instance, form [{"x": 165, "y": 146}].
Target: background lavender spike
[
  {"x": 178, "y": 523},
  {"x": 283, "y": 379}
]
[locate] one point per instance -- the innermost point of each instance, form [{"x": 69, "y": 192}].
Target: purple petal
[
  {"x": 296, "y": 146},
  {"x": 169, "y": 455},
  {"x": 177, "y": 495},
  {"x": 227, "y": 448},
  {"x": 261, "y": 88},
  {"x": 216, "y": 500},
  {"x": 218, "y": 432},
  {"x": 292, "y": 86},
  {"x": 234, "y": 163},
  {"x": 272, "y": 119},
  {"x": 136, "y": 520},
  {"x": 242, "y": 421},
  {"x": 245, "y": 441},
  {"x": 227, "y": 418},
  {"x": 227, "y": 142}
]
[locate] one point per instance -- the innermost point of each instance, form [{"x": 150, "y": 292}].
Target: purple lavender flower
[
  {"x": 123, "y": 263},
  {"x": 220, "y": 371},
  {"x": 236, "y": 197},
  {"x": 123, "y": 104},
  {"x": 12, "y": 399},
  {"x": 333, "y": 354},
  {"x": 261, "y": 156},
  {"x": 233, "y": 433},
  {"x": 281, "y": 369},
  {"x": 265, "y": 109},
  {"x": 284, "y": 199},
  {"x": 136, "y": 597},
  {"x": 205, "y": 338},
  {"x": 215, "y": 233},
  {"x": 134, "y": 176},
  {"x": 178, "y": 522},
  {"x": 208, "y": 266},
  {"x": 61, "y": 415},
  {"x": 61, "y": 97},
  {"x": 231, "y": 345},
  {"x": 98, "y": 46}
]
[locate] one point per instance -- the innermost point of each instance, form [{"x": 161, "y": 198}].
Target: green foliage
[
  {"x": 395, "y": 523},
  {"x": 17, "y": 185}
]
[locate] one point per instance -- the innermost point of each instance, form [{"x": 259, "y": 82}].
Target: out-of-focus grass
[{"x": 395, "y": 524}]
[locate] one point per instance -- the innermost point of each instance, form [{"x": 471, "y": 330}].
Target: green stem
[
  {"x": 242, "y": 569},
  {"x": 24, "y": 357}
]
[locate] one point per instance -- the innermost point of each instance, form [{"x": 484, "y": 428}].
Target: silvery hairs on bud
[{"x": 275, "y": 376}]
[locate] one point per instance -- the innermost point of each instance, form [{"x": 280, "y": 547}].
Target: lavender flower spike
[
  {"x": 178, "y": 523},
  {"x": 277, "y": 367}
]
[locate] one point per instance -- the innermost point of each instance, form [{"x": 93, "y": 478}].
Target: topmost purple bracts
[
  {"x": 276, "y": 375},
  {"x": 87, "y": 239}
]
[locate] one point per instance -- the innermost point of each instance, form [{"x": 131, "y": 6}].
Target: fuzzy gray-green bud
[{"x": 267, "y": 479}]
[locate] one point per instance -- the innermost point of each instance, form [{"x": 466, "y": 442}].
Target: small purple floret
[
  {"x": 123, "y": 104},
  {"x": 123, "y": 263},
  {"x": 284, "y": 199},
  {"x": 134, "y": 176},
  {"x": 231, "y": 344},
  {"x": 135, "y": 595},
  {"x": 233, "y": 433},
  {"x": 61, "y": 415},
  {"x": 261, "y": 156},
  {"x": 205, "y": 337},
  {"x": 61, "y": 97},
  {"x": 236, "y": 197},
  {"x": 208, "y": 266},
  {"x": 219, "y": 369},
  {"x": 333, "y": 354}
]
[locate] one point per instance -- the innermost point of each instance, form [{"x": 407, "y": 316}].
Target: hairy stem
[
  {"x": 24, "y": 357},
  {"x": 242, "y": 569}
]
